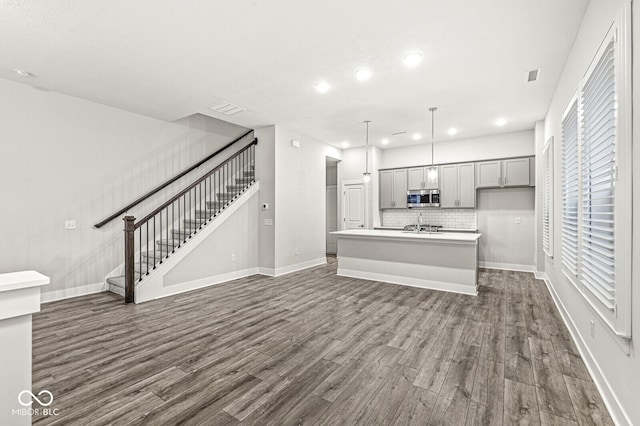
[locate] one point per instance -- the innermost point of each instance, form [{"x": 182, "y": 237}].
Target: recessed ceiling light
[
  {"x": 416, "y": 136},
  {"x": 363, "y": 74},
  {"x": 452, "y": 131},
  {"x": 501, "y": 121},
  {"x": 22, "y": 73},
  {"x": 412, "y": 59},
  {"x": 385, "y": 141},
  {"x": 322, "y": 86},
  {"x": 345, "y": 144}
]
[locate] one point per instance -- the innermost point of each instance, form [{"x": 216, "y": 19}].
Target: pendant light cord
[
  {"x": 366, "y": 161},
  {"x": 433, "y": 110}
]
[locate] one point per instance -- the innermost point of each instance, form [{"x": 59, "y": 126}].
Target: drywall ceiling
[{"x": 171, "y": 59}]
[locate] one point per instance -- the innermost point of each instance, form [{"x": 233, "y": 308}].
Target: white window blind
[
  {"x": 547, "y": 199},
  {"x": 598, "y": 179},
  {"x": 570, "y": 190}
]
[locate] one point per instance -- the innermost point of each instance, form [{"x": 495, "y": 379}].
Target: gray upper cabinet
[
  {"x": 503, "y": 173},
  {"x": 448, "y": 186},
  {"x": 489, "y": 174},
  {"x": 393, "y": 189},
  {"x": 457, "y": 186},
  {"x": 516, "y": 172},
  {"x": 418, "y": 178},
  {"x": 467, "y": 185}
]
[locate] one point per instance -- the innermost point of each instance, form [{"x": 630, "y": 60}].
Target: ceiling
[{"x": 171, "y": 59}]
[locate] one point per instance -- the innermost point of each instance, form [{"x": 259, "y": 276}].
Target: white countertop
[
  {"x": 436, "y": 236},
  {"x": 22, "y": 279},
  {"x": 400, "y": 228}
]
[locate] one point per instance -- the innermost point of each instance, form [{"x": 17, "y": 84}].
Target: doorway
[{"x": 332, "y": 205}]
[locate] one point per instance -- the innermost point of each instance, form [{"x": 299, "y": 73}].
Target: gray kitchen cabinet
[
  {"x": 516, "y": 172},
  {"x": 393, "y": 189},
  {"x": 418, "y": 178},
  {"x": 467, "y": 185},
  {"x": 489, "y": 174},
  {"x": 503, "y": 173},
  {"x": 457, "y": 186}
]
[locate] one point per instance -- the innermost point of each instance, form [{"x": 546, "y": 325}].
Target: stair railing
[
  {"x": 183, "y": 215},
  {"x": 169, "y": 182}
]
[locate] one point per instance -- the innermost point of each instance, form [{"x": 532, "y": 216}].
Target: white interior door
[{"x": 353, "y": 206}]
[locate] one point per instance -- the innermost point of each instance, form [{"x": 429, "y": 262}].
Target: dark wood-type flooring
[{"x": 314, "y": 348}]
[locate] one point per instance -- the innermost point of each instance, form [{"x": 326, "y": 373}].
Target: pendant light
[
  {"x": 366, "y": 176},
  {"x": 432, "y": 173}
]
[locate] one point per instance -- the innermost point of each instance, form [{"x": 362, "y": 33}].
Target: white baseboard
[
  {"x": 411, "y": 282},
  {"x": 52, "y": 296},
  {"x": 208, "y": 281},
  {"x": 609, "y": 397},
  {"x": 506, "y": 266},
  {"x": 270, "y": 272}
]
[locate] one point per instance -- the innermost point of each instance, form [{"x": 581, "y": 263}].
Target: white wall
[
  {"x": 617, "y": 374},
  {"x": 212, "y": 258},
  {"x": 300, "y": 200},
  {"x": 505, "y": 243},
  {"x": 265, "y": 174},
  {"x": 66, "y": 158},
  {"x": 503, "y": 145}
]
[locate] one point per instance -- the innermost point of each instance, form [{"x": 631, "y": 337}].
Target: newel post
[{"x": 129, "y": 276}]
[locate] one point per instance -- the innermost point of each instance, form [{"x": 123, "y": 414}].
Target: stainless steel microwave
[{"x": 423, "y": 198}]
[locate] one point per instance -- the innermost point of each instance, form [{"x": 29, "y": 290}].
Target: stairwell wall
[{"x": 66, "y": 158}]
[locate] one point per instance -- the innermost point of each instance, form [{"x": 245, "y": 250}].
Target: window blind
[
  {"x": 570, "y": 190},
  {"x": 598, "y": 179},
  {"x": 547, "y": 198}
]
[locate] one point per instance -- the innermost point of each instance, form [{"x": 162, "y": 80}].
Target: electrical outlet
[
  {"x": 268, "y": 222},
  {"x": 518, "y": 221},
  {"x": 592, "y": 329},
  {"x": 70, "y": 224},
  {"x": 233, "y": 257},
  {"x": 296, "y": 252}
]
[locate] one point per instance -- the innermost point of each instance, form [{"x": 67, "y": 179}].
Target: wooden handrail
[
  {"x": 169, "y": 182},
  {"x": 193, "y": 185}
]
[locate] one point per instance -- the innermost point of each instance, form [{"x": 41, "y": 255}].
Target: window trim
[
  {"x": 618, "y": 320},
  {"x": 547, "y": 197}
]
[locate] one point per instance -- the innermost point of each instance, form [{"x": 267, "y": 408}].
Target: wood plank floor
[{"x": 314, "y": 348}]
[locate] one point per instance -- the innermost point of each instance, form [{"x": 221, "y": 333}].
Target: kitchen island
[{"x": 445, "y": 261}]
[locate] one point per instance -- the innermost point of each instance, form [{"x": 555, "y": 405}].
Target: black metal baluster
[
  {"x": 147, "y": 245},
  {"x": 140, "y": 249},
  {"x": 154, "y": 242}
]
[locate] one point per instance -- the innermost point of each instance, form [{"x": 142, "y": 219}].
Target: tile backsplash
[{"x": 448, "y": 218}]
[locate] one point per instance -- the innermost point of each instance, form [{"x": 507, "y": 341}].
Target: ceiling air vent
[
  {"x": 533, "y": 75},
  {"x": 227, "y": 108}
]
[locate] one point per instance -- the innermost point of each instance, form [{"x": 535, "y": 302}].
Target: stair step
[
  {"x": 181, "y": 234},
  {"x": 225, "y": 196},
  {"x": 148, "y": 256},
  {"x": 215, "y": 205},
  {"x": 235, "y": 188},
  {"x": 167, "y": 245},
  {"x": 244, "y": 180},
  {"x": 250, "y": 173},
  {"x": 206, "y": 213},
  {"x": 191, "y": 224},
  {"x": 116, "y": 281}
]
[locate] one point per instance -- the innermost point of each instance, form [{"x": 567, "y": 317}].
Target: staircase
[{"x": 153, "y": 239}]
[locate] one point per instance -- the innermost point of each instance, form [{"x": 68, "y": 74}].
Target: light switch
[
  {"x": 518, "y": 221},
  {"x": 268, "y": 222},
  {"x": 70, "y": 224}
]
